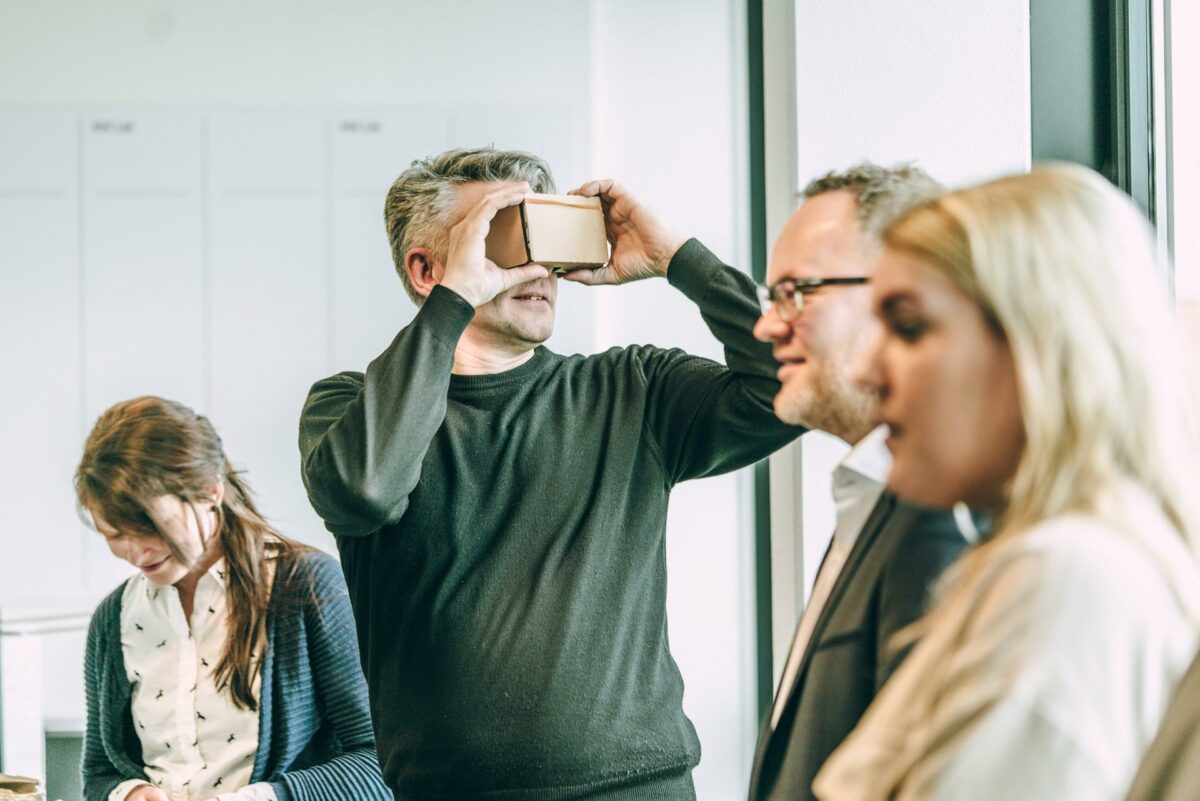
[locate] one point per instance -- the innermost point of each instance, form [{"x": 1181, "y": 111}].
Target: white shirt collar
[
  {"x": 870, "y": 458},
  {"x": 216, "y": 576},
  {"x": 857, "y": 484}
]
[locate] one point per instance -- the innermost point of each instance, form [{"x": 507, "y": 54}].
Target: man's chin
[
  {"x": 529, "y": 338},
  {"x": 790, "y": 407},
  {"x": 536, "y": 330},
  {"x": 521, "y": 333},
  {"x": 536, "y": 335}
]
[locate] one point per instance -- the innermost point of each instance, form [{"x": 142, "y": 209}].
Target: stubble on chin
[
  {"x": 827, "y": 403},
  {"x": 520, "y": 333}
]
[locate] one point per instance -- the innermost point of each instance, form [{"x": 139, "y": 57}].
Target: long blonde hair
[{"x": 1065, "y": 268}]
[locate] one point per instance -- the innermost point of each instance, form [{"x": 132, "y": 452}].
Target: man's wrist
[
  {"x": 462, "y": 291},
  {"x": 445, "y": 314},
  {"x": 663, "y": 263}
]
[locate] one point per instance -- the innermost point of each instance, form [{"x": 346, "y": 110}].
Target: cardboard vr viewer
[
  {"x": 20, "y": 788},
  {"x": 560, "y": 232}
]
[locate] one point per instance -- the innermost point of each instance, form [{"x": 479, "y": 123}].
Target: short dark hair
[{"x": 883, "y": 193}]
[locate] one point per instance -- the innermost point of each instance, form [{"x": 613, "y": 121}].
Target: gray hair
[
  {"x": 420, "y": 205},
  {"x": 883, "y": 193}
]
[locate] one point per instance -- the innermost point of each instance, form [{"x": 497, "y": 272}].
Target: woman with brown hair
[{"x": 228, "y": 667}]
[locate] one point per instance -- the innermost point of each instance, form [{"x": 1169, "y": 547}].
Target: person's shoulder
[
  {"x": 918, "y": 521},
  {"x": 644, "y": 356},
  {"x": 106, "y": 617},
  {"x": 321, "y": 565},
  {"x": 1083, "y": 565},
  {"x": 347, "y": 379},
  {"x": 917, "y": 545},
  {"x": 616, "y": 359},
  {"x": 1081, "y": 543},
  {"x": 910, "y": 529},
  {"x": 311, "y": 569}
]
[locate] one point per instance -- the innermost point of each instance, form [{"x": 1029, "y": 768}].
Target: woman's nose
[{"x": 136, "y": 552}]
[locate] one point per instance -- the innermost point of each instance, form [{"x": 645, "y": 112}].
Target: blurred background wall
[{"x": 191, "y": 205}]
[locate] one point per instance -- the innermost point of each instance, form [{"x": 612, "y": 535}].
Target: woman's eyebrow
[{"x": 897, "y": 298}]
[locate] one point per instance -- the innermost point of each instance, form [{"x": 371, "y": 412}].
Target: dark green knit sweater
[{"x": 503, "y": 540}]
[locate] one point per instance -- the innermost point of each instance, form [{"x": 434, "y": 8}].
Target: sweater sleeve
[
  {"x": 100, "y": 775},
  {"x": 704, "y": 417},
  {"x": 363, "y": 437},
  {"x": 341, "y": 694}
]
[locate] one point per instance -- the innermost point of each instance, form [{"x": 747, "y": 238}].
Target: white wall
[
  {"x": 944, "y": 83},
  {"x": 190, "y": 204},
  {"x": 303, "y": 115},
  {"x": 669, "y": 107},
  {"x": 192, "y": 198}
]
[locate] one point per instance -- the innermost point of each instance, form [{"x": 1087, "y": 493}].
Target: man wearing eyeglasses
[{"x": 884, "y": 555}]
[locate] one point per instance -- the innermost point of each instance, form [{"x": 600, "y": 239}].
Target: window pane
[{"x": 1185, "y": 136}]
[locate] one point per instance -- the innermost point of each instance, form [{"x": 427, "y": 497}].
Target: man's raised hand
[
  {"x": 642, "y": 245},
  {"x": 467, "y": 270}
]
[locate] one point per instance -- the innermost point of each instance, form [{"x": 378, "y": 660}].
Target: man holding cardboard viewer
[{"x": 500, "y": 509}]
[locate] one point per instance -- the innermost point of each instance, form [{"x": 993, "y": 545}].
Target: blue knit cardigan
[{"x": 315, "y": 741}]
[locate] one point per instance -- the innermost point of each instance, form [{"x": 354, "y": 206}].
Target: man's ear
[{"x": 419, "y": 263}]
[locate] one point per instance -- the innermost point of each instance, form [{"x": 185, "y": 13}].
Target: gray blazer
[
  {"x": 884, "y": 586},
  {"x": 1171, "y": 769}
]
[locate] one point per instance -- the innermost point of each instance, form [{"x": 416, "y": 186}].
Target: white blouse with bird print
[{"x": 196, "y": 743}]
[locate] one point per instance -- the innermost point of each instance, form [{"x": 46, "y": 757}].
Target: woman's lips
[{"x": 154, "y": 566}]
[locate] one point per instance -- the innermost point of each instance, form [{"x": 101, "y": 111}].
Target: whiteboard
[{"x": 223, "y": 257}]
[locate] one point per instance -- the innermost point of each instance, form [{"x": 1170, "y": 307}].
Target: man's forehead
[{"x": 822, "y": 239}]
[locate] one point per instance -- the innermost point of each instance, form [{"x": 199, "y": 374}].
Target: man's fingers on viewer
[
  {"x": 520, "y": 275},
  {"x": 584, "y": 276},
  {"x": 604, "y": 188}
]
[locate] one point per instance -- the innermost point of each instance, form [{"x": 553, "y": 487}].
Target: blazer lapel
[
  {"x": 845, "y": 580},
  {"x": 781, "y": 692},
  {"x": 767, "y": 741}
]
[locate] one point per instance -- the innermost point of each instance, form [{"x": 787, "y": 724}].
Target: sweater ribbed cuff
[
  {"x": 445, "y": 314},
  {"x": 693, "y": 269}
]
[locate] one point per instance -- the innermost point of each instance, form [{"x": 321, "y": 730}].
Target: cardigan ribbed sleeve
[
  {"x": 107, "y": 760},
  {"x": 336, "y": 695},
  {"x": 315, "y": 736}
]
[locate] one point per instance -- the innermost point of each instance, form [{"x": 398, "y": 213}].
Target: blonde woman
[{"x": 1025, "y": 369}]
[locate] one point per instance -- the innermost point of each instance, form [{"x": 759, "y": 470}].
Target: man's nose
[{"x": 770, "y": 328}]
